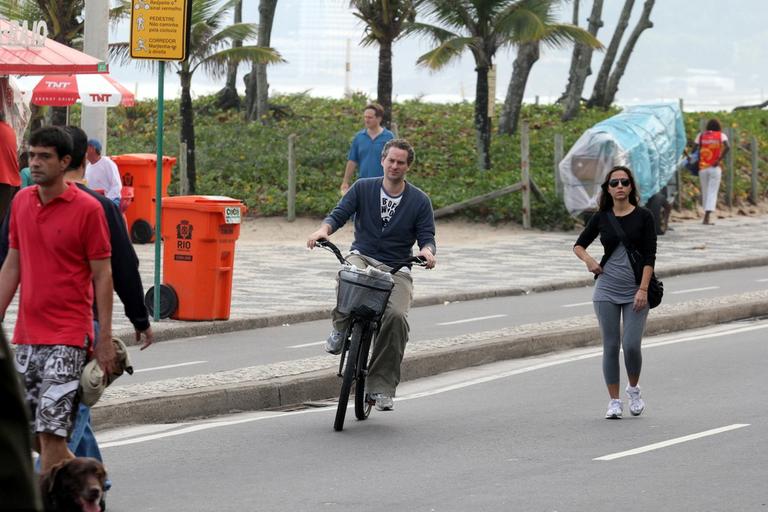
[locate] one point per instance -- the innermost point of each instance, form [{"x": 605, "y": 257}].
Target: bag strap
[{"x": 618, "y": 230}]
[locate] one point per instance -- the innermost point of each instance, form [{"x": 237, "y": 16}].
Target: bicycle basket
[{"x": 358, "y": 290}]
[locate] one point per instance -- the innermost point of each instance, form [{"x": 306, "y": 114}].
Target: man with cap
[{"x": 101, "y": 172}]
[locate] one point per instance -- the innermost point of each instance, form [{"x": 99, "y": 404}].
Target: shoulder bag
[{"x": 655, "y": 287}]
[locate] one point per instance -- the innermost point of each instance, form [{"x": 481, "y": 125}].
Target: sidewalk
[{"x": 285, "y": 283}]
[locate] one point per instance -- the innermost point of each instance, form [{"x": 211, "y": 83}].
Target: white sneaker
[
  {"x": 383, "y": 402},
  {"x": 334, "y": 342},
  {"x": 615, "y": 409},
  {"x": 636, "y": 402}
]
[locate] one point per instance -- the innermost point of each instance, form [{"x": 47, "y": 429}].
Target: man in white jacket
[{"x": 101, "y": 172}]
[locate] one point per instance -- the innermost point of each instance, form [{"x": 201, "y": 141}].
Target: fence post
[
  {"x": 753, "y": 192},
  {"x": 291, "y": 177},
  {"x": 183, "y": 178},
  {"x": 729, "y": 180},
  {"x": 558, "y": 159},
  {"x": 525, "y": 177}
]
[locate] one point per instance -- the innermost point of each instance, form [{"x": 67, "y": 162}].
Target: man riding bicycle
[{"x": 390, "y": 215}]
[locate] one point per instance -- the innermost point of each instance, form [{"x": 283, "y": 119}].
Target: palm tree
[
  {"x": 209, "y": 48},
  {"x": 385, "y": 21},
  {"x": 483, "y": 27}
]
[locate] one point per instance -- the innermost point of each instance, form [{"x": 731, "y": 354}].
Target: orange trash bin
[
  {"x": 137, "y": 170},
  {"x": 199, "y": 235}
]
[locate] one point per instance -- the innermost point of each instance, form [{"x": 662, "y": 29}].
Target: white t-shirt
[
  {"x": 104, "y": 175},
  {"x": 388, "y": 206}
]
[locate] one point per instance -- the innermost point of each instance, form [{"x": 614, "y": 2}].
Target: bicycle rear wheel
[
  {"x": 349, "y": 376},
  {"x": 362, "y": 406}
]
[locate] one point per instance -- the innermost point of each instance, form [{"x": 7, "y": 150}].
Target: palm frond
[
  {"x": 446, "y": 52},
  {"x": 438, "y": 34},
  {"x": 216, "y": 64}
]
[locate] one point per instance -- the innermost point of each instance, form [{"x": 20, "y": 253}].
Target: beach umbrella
[{"x": 90, "y": 90}]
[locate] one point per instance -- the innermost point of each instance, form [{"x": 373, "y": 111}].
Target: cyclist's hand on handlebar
[
  {"x": 320, "y": 234},
  {"x": 428, "y": 257}
]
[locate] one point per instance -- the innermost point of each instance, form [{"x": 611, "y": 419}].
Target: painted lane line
[
  {"x": 762, "y": 280},
  {"x": 168, "y": 366},
  {"x": 672, "y": 442},
  {"x": 186, "y": 428},
  {"x": 577, "y": 304},
  {"x": 314, "y": 343},
  {"x": 475, "y": 319},
  {"x": 693, "y": 290}
]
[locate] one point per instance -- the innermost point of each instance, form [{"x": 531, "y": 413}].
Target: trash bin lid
[
  {"x": 141, "y": 158},
  {"x": 232, "y": 209}
]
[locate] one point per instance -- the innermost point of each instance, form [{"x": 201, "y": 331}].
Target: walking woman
[
  {"x": 618, "y": 292},
  {"x": 713, "y": 146}
]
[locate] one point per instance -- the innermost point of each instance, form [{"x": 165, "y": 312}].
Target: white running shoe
[
  {"x": 636, "y": 402},
  {"x": 383, "y": 402},
  {"x": 615, "y": 409},
  {"x": 334, "y": 342}
]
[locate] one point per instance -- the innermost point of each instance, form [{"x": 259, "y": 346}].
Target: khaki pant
[{"x": 389, "y": 345}]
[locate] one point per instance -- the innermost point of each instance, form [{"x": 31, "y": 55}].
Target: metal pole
[
  {"x": 753, "y": 192},
  {"x": 558, "y": 159},
  {"x": 159, "y": 185},
  {"x": 525, "y": 178},
  {"x": 93, "y": 120},
  {"x": 291, "y": 177}
]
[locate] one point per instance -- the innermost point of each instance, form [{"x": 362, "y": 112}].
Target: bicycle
[{"x": 363, "y": 294}]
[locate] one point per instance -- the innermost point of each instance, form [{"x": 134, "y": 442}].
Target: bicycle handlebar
[{"x": 330, "y": 246}]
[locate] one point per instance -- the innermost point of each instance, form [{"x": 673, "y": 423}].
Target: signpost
[{"x": 160, "y": 31}]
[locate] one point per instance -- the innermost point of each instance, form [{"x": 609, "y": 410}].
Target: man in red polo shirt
[{"x": 59, "y": 253}]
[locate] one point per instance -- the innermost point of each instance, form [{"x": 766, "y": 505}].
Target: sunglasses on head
[{"x": 615, "y": 182}]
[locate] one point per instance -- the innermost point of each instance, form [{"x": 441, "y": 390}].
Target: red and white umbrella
[{"x": 91, "y": 90}]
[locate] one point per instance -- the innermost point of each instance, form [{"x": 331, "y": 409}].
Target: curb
[
  {"x": 319, "y": 385},
  {"x": 204, "y": 328}
]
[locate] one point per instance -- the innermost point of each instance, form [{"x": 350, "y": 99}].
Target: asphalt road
[
  {"x": 524, "y": 434},
  {"x": 220, "y": 352}
]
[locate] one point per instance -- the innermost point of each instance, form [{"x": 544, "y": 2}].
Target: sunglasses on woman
[{"x": 615, "y": 182}]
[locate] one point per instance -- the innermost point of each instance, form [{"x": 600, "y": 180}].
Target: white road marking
[
  {"x": 577, "y": 304},
  {"x": 314, "y": 343},
  {"x": 693, "y": 290},
  {"x": 190, "y": 363},
  {"x": 475, "y": 319},
  {"x": 186, "y": 428},
  {"x": 672, "y": 442},
  {"x": 762, "y": 280}
]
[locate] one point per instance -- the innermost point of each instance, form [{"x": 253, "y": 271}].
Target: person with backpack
[{"x": 712, "y": 145}]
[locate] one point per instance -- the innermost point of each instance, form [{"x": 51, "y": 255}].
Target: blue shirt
[{"x": 366, "y": 152}]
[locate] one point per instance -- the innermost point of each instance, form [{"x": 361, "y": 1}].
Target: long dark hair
[{"x": 606, "y": 201}]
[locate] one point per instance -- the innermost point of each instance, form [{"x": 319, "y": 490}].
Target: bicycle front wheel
[
  {"x": 348, "y": 376},
  {"x": 362, "y": 406}
]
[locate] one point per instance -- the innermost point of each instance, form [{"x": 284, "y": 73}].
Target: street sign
[{"x": 160, "y": 29}]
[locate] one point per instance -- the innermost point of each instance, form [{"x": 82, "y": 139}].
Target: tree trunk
[
  {"x": 600, "y": 88},
  {"x": 621, "y": 65},
  {"x": 257, "y": 106},
  {"x": 527, "y": 55},
  {"x": 482, "y": 123},
  {"x": 188, "y": 125},
  {"x": 384, "y": 89},
  {"x": 228, "y": 97},
  {"x": 581, "y": 65},
  {"x": 574, "y": 55}
]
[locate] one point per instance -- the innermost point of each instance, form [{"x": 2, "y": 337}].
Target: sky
[{"x": 713, "y": 54}]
